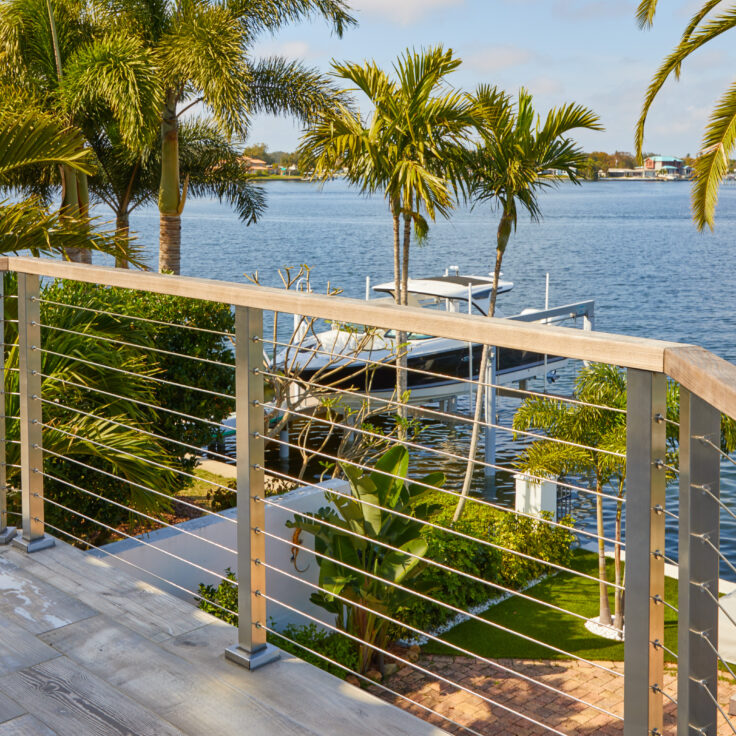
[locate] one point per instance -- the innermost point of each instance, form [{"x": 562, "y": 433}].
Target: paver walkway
[{"x": 580, "y": 680}]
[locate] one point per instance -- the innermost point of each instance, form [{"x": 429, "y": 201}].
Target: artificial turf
[{"x": 539, "y": 622}]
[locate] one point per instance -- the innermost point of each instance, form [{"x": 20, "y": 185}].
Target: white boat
[{"x": 439, "y": 367}]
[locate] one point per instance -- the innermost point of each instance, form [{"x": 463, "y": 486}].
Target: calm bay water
[{"x": 630, "y": 246}]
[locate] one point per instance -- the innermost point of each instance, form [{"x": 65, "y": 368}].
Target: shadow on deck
[{"x": 87, "y": 649}]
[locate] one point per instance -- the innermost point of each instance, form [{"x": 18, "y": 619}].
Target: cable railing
[{"x": 396, "y": 544}]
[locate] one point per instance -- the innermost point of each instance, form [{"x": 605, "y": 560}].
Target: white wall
[{"x": 210, "y": 557}]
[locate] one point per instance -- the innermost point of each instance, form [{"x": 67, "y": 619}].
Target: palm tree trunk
[
  {"x": 605, "y": 606},
  {"x": 122, "y": 230},
  {"x": 402, "y": 377},
  {"x": 618, "y": 605},
  {"x": 169, "y": 196},
  {"x": 502, "y": 239},
  {"x": 405, "y": 261},
  {"x": 70, "y": 205},
  {"x": 85, "y": 254}
]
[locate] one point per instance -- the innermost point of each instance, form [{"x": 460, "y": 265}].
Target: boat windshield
[{"x": 410, "y": 335}]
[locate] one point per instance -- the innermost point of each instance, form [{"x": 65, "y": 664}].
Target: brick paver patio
[{"x": 581, "y": 680}]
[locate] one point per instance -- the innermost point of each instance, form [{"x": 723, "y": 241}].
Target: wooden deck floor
[{"x": 87, "y": 649}]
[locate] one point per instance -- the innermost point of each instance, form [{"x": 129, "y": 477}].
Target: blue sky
[{"x": 587, "y": 51}]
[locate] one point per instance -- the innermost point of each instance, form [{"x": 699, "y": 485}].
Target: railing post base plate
[
  {"x": 252, "y": 660},
  {"x": 7, "y": 534},
  {"x": 34, "y": 545}
]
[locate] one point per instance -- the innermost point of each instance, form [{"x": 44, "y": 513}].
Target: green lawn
[{"x": 544, "y": 624}]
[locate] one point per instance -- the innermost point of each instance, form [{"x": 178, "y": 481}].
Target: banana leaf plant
[{"x": 360, "y": 527}]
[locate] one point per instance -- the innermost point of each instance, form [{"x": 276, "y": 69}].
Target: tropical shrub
[
  {"x": 93, "y": 418},
  {"x": 503, "y": 528},
  {"x": 354, "y": 538},
  {"x": 210, "y": 346}
]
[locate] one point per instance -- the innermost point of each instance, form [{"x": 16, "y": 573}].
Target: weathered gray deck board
[
  {"x": 185, "y": 695},
  {"x": 19, "y": 648},
  {"x": 32, "y": 603},
  {"x": 26, "y": 725},
  {"x": 140, "y": 662},
  {"x": 111, "y": 591},
  {"x": 76, "y": 702},
  {"x": 9, "y": 709}
]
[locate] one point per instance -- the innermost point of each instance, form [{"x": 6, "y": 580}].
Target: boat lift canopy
[{"x": 454, "y": 287}]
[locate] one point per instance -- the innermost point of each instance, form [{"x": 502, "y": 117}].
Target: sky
[{"x": 587, "y": 51}]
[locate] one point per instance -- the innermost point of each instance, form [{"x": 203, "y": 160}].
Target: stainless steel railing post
[
  {"x": 33, "y": 537},
  {"x": 645, "y": 528},
  {"x": 252, "y": 650},
  {"x": 6, "y": 532},
  {"x": 698, "y": 562}
]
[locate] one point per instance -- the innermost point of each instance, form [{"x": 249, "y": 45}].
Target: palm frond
[
  {"x": 712, "y": 166},
  {"x": 115, "y": 74},
  {"x": 714, "y": 28},
  {"x": 271, "y": 15},
  {"x": 645, "y": 13},
  {"x": 280, "y": 86},
  {"x": 32, "y": 139}
]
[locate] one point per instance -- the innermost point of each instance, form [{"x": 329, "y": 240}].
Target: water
[{"x": 631, "y": 246}]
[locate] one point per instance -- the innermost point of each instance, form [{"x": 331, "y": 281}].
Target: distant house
[
  {"x": 254, "y": 164},
  {"x": 663, "y": 166},
  {"x": 636, "y": 173}
]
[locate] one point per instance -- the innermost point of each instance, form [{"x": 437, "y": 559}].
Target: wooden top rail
[
  {"x": 701, "y": 372},
  {"x": 598, "y": 347}
]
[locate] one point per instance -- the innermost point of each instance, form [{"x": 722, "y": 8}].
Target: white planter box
[{"x": 534, "y": 496}]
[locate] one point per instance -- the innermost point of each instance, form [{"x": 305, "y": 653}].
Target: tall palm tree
[
  {"x": 202, "y": 53},
  {"x": 519, "y": 156},
  {"x": 211, "y": 164},
  {"x": 719, "y": 138},
  {"x": 61, "y": 56},
  {"x": 35, "y": 141},
  {"x": 406, "y": 148}
]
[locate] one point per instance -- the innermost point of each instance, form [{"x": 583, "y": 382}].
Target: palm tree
[
  {"x": 202, "y": 57},
  {"x": 594, "y": 434},
  {"x": 518, "y": 157},
  {"x": 34, "y": 141},
  {"x": 719, "y": 138},
  {"x": 66, "y": 64},
  {"x": 405, "y": 148},
  {"x": 208, "y": 160}
]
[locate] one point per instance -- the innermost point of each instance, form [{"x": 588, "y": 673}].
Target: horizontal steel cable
[
  {"x": 144, "y": 376},
  {"x": 580, "y": 489},
  {"x": 135, "y": 539},
  {"x": 706, "y": 638},
  {"x": 705, "y": 687},
  {"x": 461, "y": 650},
  {"x": 225, "y": 458},
  {"x": 137, "y": 402},
  {"x": 428, "y": 598},
  {"x": 442, "y": 453},
  {"x": 366, "y": 679},
  {"x": 135, "y": 318},
  {"x": 454, "y": 417},
  {"x": 461, "y": 534},
  {"x": 137, "y": 485},
  {"x": 116, "y": 341},
  {"x": 707, "y": 441},
  {"x": 413, "y": 665},
  {"x": 707, "y": 490},
  {"x": 166, "y": 524},
  {"x": 153, "y": 463},
  {"x": 458, "y": 379},
  {"x": 137, "y": 567},
  {"x": 704, "y": 587},
  {"x": 657, "y": 644},
  {"x": 657, "y": 689},
  {"x": 433, "y": 563},
  {"x": 705, "y": 538}
]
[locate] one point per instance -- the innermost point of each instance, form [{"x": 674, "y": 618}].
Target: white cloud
[
  {"x": 494, "y": 58},
  {"x": 543, "y": 85},
  {"x": 402, "y": 11},
  {"x": 300, "y": 50}
]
